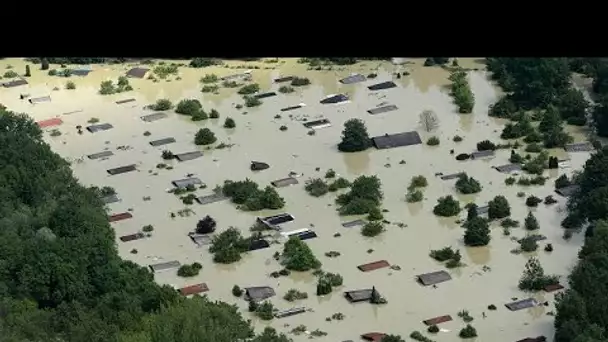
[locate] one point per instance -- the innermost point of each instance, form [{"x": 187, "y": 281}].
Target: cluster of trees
[
  {"x": 108, "y": 87},
  {"x": 228, "y": 245},
  {"x": 467, "y": 185},
  {"x": 297, "y": 256},
  {"x": 461, "y": 92},
  {"x": 413, "y": 193},
  {"x": 365, "y": 195},
  {"x": 61, "y": 276},
  {"x": 448, "y": 255},
  {"x": 248, "y": 195},
  {"x": 194, "y": 109},
  {"x": 327, "y": 281},
  {"x": 204, "y": 136}
]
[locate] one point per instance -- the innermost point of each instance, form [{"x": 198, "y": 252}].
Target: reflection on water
[{"x": 257, "y": 137}]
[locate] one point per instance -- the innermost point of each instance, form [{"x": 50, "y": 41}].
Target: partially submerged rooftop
[
  {"x": 434, "y": 278},
  {"x": 138, "y": 72},
  {"x": 396, "y": 140},
  {"x": 259, "y": 293}
]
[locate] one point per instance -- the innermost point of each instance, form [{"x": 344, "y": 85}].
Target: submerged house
[
  {"x": 138, "y": 72},
  {"x": 259, "y": 293}
]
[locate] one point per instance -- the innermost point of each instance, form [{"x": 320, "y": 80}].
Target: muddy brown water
[{"x": 257, "y": 137}]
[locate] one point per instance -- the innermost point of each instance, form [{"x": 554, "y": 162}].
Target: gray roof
[
  {"x": 101, "y": 154},
  {"x": 273, "y": 221},
  {"x": 522, "y": 304},
  {"x": 125, "y": 101},
  {"x": 358, "y": 295},
  {"x": 163, "y": 141},
  {"x": 14, "y": 83},
  {"x": 200, "y": 239},
  {"x": 280, "y": 183},
  {"x": 483, "y": 210},
  {"x": 265, "y": 95},
  {"x": 182, "y": 183},
  {"x": 452, "y": 176},
  {"x": 383, "y": 109},
  {"x": 567, "y": 191},
  {"x": 40, "y": 99},
  {"x": 434, "y": 278},
  {"x": 122, "y": 169},
  {"x": 165, "y": 266},
  {"x": 334, "y": 99},
  {"x": 482, "y": 154},
  {"x": 188, "y": 156},
  {"x": 99, "y": 127},
  {"x": 284, "y": 79},
  {"x": 356, "y": 78},
  {"x": 397, "y": 140},
  {"x": 154, "y": 117},
  {"x": 317, "y": 123},
  {"x": 138, "y": 72},
  {"x": 355, "y": 223},
  {"x": 245, "y": 75},
  {"x": 290, "y": 312},
  {"x": 508, "y": 168},
  {"x": 579, "y": 147},
  {"x": 211, "y": 199},
  {"x": 286, "y": 109},
  {"x": 259, "y": 293},
  {"x": 80, "y": 72},
  {"x": 110, "y": 199},
  {"x": 382, "y": 86}
]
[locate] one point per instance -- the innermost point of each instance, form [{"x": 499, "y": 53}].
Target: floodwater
[{"x": 491, "y": 273}]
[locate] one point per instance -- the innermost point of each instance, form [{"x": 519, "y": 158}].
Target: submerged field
[{"x": 489, "y": 275}]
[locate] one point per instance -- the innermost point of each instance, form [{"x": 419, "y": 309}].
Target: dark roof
[
  {"x": 482, "y": 154},
  {"x": 579, "y": 147},
  {"x": 534, "y": 339},
  {"x": 290, "y": 312},
  {"x": 182, "y": 183},
  {"x": 283, "y": 79},
  {"x": 373, "y": 336},
  {"x": 433, "y": 278},
  {"x": 279, "y": 183},
  {"x": 358, "y": 295},
  {"x": 278, "y": 219},
  {"x": 99, "y": 127},
  {"x": 553, "y": 287},
  {"x": 258, "y": 293},
  {"x": 154, "y": 117},
  {"x": 110, "y": 199},
  {"x": 522, "y": 304},
  {"x": 567, "y": 191},
  {"x": 125, "y": 101},
  {"x": 265, "y": 95},
  {"x": 101, "y": 154},
  {"x": 138, "y": 72},
  {"x": 354, "y": 223},
  {"x": 452, "y": 176},
  {"x": 14, "y": 83},
  {"x": 211, "y": 198},
  {"x": 80, "y": 72},
  {"x": 122, "y": 169},
  {"x": 286, "y": 109},
  {"x": 396, "y": 140},
  {"x": 317, "y": 123},
  {"x": 383, "y": 109},
  {"x": 356, "y": 78},
  {"x": 382, "y": 86},
  {"x": 258, "y": 244},
  {"x": 309, "y": 234},
  {"x": 334, "y": 99},
  {"x": 163, "y": 141},
  {"x": 483, "y": 210},
  {"x": 165, "y": 266},
  {"x": 188, "y": 156},
  {"x": 132, "y": 237},
  {"x": 508, "y": 168}
]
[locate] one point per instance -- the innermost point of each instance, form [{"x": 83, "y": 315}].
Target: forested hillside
[{"x": 61, "y": 278}]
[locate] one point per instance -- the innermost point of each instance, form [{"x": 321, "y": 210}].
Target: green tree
[
  {"x": 531, "y": 223},
  {"x": 27, "y": 71},
  {"x": 446, "y": 206},
  {"x": 204, "y": 136},
  {"x": 467, "y": 185},
  {"x": 499, "y": 208},
  {"x": 354, "y": 137},
  {"x": 297, "y": 256},
  {"x": 188, "y": 107},
  {"x": 44, "y": 64},
  {"x": 534, "y": 278},
  {"x": 477, "y": 232},
  {"x": 229, "y": 123}
]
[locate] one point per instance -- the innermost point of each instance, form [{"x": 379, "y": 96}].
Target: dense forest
[
  {"x": 61, "y": 278},
  {"x": 538, "y": 84}
]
